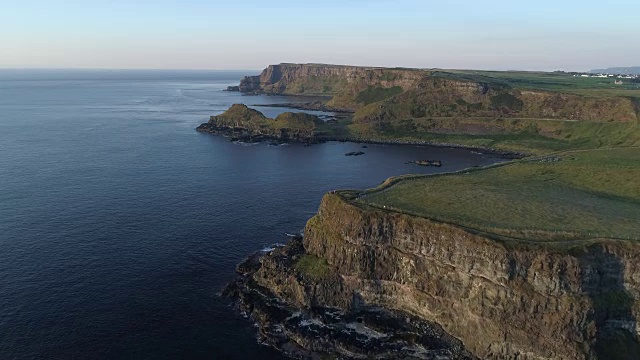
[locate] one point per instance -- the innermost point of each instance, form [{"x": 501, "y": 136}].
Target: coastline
[
  {"x": 239, "y": 134},
  {"x": 390, "y": 254}
]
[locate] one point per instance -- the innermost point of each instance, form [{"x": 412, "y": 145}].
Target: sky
[{"x": 250, "y": 34}]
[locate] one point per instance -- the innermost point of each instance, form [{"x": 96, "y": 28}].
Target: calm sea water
[{"x": 119, "y": 223}]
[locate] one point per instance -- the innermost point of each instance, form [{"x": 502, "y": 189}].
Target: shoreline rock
[
  {"x": 244, "y": 135},
  {"x": 315, "y": 332},
  {"x": 436, "y": 163}
]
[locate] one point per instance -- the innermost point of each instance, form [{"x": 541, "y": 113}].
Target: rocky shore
[
  {"x": 309, "y": 330},
  {"x": 240, "y": 123},
  {"x": 244, "y": 135},
  {"x": 240, "y": 134}
]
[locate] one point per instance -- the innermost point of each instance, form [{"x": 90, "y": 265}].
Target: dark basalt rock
[
  {"x": 360, "y": 332},
  {"x": 236, "y": 134},
  {"x": 250, "y": 85},
  {"x": 436, "y": 163}
]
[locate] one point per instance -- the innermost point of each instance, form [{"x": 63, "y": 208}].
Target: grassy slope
[
  {"x": 523, "y": 135},
  {"x": 530, "y": 80},
  {"x": 443, "y": 114},
  {"x": 589, "y": 194}
]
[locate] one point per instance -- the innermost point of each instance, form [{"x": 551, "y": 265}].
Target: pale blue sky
[{"x": 250, "y": 34}]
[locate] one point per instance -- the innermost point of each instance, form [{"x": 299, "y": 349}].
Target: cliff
[
  {"x": 344, "y": 83},
  {"x": 501, "y": 300},
  {"x": 537, "y": 303}
]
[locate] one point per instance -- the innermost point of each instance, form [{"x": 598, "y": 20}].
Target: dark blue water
[{"x": 119, "y": 223}]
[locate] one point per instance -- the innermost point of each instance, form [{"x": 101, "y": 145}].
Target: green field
[
  {"x": 585, "y": 195},
  {"x": 552, "y": 81},
  {"x": 531, "y": 136}
]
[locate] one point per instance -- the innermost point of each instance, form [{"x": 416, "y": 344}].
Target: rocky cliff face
[
  {"x": 325, "y": 79},
  {"x": 502, "y": 301},
  {"x": 343, "y": 83},
  {"x": 538, "y": 304}
]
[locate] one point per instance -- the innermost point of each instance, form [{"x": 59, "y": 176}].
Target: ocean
[{"x": 120, "y": 224}]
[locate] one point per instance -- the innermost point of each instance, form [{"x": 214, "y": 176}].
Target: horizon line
[
  {"x": 125, "y": 69},
  {"x": 301, "y": 63},
  {"x": 257, "y": 70}
]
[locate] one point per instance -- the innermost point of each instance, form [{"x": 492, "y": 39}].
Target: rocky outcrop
[
  {"x": 240, "y": 123},
  {"x": 501, "y": 300},
  {"x": 250, "y": 84},
  {"x": 286, "y": 299},
  {"x": 549, "y": 105}
]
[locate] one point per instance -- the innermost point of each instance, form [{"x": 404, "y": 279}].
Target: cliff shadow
[{"x": 602, "y": 277}]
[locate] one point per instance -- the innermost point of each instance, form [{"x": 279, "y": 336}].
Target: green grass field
[
  {"x": 550, "y": 81},
  {"x": 586, "y": 195},
  {"x": 531, "y": 136}
]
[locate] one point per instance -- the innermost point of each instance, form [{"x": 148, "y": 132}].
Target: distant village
[{"x": 619, "y": 79}]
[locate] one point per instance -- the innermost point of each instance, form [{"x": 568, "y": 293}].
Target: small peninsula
[{"x": 534, "y": 258}]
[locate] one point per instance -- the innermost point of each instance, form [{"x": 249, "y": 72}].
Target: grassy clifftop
[{"x": 570, "y": 196}]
